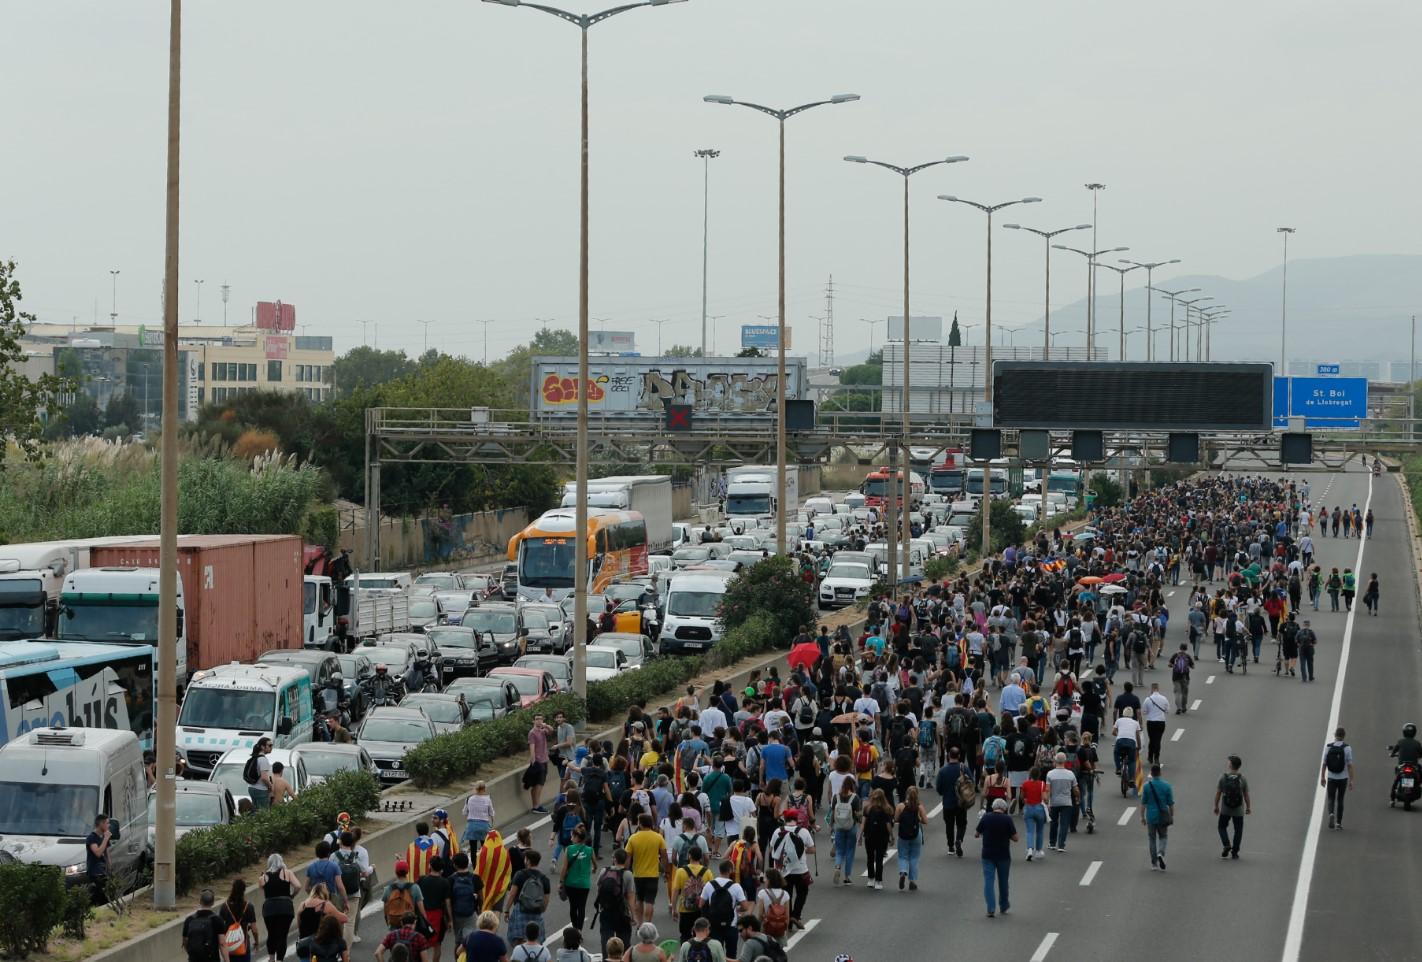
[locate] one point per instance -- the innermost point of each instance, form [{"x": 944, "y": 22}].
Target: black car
[
  {"x": 324, "y": 667},
  {"x": 464, "y": 651}
]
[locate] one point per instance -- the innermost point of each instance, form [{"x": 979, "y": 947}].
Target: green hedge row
[
  {"x": 227, "y": 849},
  {"x": 33, "y": 903},
  {"x": 461, "y": 754}
]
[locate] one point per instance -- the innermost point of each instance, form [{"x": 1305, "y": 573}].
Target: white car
[
  {"x": 605, "y": 662},
  {"x": 844, "y": 583},
  {"x": 229, "y": 770}
]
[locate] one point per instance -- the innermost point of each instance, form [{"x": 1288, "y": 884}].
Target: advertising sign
[
  {"x": 1327, "y": 403},
  {"x": 194, "y": 368},
  {"x": 643, "y": 387},
  {"x": 764, "y": 336},
  {"x": 276, "y": 316},
  {"x": 920, "y": 328},
  {"x": 276, "y": 346},
  {"x": 612, "y": 342}
]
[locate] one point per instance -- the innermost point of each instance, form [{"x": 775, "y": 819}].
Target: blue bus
[{"x": 76, "y": 685}]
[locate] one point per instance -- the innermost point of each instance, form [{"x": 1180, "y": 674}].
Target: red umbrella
[
  {"x": 804, "y": 655},
  {"x": 1114, "y": 577}
]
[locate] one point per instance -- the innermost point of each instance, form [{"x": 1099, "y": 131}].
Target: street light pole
[
  {"x": 1090, "y": 256},
  {"x": 1284, "y": 322},
  {"x": 165, "y": 728},
  {"x": 892, "y": 506},
  {"x": 113, "y": 306},
  {"x": 1091, "y": 280},
  {"x": 659, "y": 321},
  {"x": 1150, "y": 335},
  {"x": 486, "y": 339},
  {"x": 1122, "y": 271},
  {"x": 1186, "y": 330},
  {"x": 1046, "y": 236},
  {"x": 781, "y": 453},
  {"x": 426, "y": 325},
  {"x": 198, "y": 308},
  {"x": 989, "y": 210},
  {"x": 584, "y": 22},
  {"x": 706, "y": 156},
  {"x": 1172, "y": 295},
  {"x": 871, "y": 321}
]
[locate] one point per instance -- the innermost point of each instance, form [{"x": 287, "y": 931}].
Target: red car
[{"x": 533, "y": 685}]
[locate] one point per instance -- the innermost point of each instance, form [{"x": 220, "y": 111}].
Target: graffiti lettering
[{"x": 730, "y": 393}]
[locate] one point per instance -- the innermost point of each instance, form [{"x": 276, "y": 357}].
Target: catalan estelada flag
[
  {"x": 495, "y": 869},
  {"x": 1140, "y": 774},
  {"x": 677, "y": 772}
]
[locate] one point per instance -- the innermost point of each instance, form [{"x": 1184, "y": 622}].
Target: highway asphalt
[{"x": 1102, "y": 900}]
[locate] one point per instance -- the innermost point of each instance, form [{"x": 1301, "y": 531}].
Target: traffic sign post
[{"x": 1328, "y": 370}]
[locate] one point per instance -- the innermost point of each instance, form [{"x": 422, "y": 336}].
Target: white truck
[
  {"x": 649, "y": 494},
  {"x": 751, "y": 492},
  {"x": 31, "y": 577},
  {"x": 117, "y": 606},
  {"x": 370, "y": 605}
]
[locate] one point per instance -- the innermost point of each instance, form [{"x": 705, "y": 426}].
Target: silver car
[
  {"x": 324, "y": 759},
  {"x": 199, "y": 805},
  {"x": 448, "y": 712},
  {"x": 388, "y": 734}
]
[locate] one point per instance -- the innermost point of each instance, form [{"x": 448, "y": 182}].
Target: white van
[
  {"x": 880, "y": 553},
  {"x": 392, "y": 582},
  {"x": 234, "y": 705},
  {"x": 55, "y": 781},
  {"x": 691, "y": 608}
]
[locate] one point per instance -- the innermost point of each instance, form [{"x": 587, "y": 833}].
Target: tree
[
  {"x": 121, "y": 411},
  {"x": 870, "y": 373},
  {"x": 682, "y": 350},
  {"x": 24, "y": 403},
  {"x": 1108, "y": 490},
  {"x": 80, "y": 416},
  {"x": 772, "y": 586},
  {"x": 750, "y": 352},
  {"x": 1007, "y": 526},
  {"x": 363, "y": 367}
]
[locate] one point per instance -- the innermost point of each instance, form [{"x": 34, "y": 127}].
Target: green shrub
[
  {"x": 226, "y": 849},
  {"x": 1108, "y": 490},
  {"x": 611, "y": 698},
  {"x": 78, "y": 910},
  {"x": 1007, "y": 526},
  {"x": 756, "y": 635},
  {"x": 936, "y": 569},
  {"x": 33, "y": 903},
  {"x": 460, "y": 754},
  {"x": 774, "y": 587}
]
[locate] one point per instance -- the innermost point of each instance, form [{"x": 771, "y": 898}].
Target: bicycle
[{"x": 1128, "y": 773}]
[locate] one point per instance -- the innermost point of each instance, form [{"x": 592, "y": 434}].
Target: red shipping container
[{"x": 241, "y": 593}]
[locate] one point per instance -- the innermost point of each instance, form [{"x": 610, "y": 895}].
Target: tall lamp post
[
  {"x": 891, "y": 503},
  {"x": 1208, "y": 318},
  {"x": 197, "y": 308},
  {"x": 659, "y": 321},
  {"x": 1149, "y": 269},
  {"x": 872, "y": 321},
  {"x": 584, "y": 22},
  {"x": 1122, "y": 271},
  {"x": 1284, "y": 320},
  {"x": 1090, "y": 288},
  {"x": 706, "y": 156},
  {"x": 780, "y": 444},
  {"x": 1047, "y": 236},
  {"x": 988, "y": 209},
  {"x": 113, "y": 305},
  {"x": 1172, "y": 295},
  {"x": 1095, "y": 189},
  {"x": 1185, "y": 331}
]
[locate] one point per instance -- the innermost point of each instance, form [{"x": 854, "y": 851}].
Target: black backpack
[
  {"x": 205, "y": 949},
  {"x": 769, "y": 948},
  {"x": 909, "y": 827},
  {"x": 1336, "y": 760},
  {"x": 594, "y": 779},
  {"x": 251, "y": 771},
  {"x": 898, "y": 731},
  {"x": 350, "y": 873},
  {"x": 611, "y": 899},
  {"x": 720, "y": 907},
  {"x": 1233, "y": 793}
]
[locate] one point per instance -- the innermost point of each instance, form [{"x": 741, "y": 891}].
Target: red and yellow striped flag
[
  {"x": 1140, "y": 775},
  {"x": 495, "y": 868},
  {"x": 677, "y": 772}
]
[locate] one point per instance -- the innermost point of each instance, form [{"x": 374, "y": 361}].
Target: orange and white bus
[{"x": 544, "y": 552}]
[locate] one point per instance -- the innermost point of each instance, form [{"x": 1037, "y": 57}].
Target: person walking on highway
[
  {"x": 1370, "y": 594},
  {"x": 1062, "y": 797},
  {"x": 1368, "y": 520},
  {"x": 1306, "y": 640},
  {"x": 958, "y": 789},
  {"x": 1157, "y": 815},
  {"x": 1333, "y": 586},
  {"x": 1335, "y": 775},
  {"x": 1180, "y": 665},
  {"x": 998, "y": 832},
  {"x": 1153, "y": 708},
  {"x": 1232, "y": 804},
  {"x": 1350, "y": 588}
]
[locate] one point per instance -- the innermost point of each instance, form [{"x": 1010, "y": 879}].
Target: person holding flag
[{"x": 494, "y": 868}]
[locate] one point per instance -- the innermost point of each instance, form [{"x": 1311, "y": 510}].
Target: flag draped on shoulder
[{"x": 495, "y": 868}]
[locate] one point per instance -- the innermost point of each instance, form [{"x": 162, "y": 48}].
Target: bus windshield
[
  {"x": 748, "y": 504},
  {"x": 241, "y": 708},
  {"x": 546, "y": 562},
  {"x": 83, "y": 619}
]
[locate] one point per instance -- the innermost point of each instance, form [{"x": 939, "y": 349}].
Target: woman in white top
[
  {"x": 1127, "y": 732},
  {"x": 479, "y": 813},
  {"x": 773, "y": 892}
]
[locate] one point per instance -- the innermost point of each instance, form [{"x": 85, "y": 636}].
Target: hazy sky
[{"x": 419, "y": 160}]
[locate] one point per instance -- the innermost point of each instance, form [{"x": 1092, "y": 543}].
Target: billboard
[
  {"x": 765, "y": 336},
  {"x": 1105, "y": 396},
  {"x": 920, "y": 328},
  {"x": 276, "y": 316},
  {"x": 612, "y": 342},
  {"x": 643, "y": 387},
  {"x": 1327, "y": 403}
]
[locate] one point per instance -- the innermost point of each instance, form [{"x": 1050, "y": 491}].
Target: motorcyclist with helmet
[
  {"x": 385, "y": 690},
  {"x": 1407, "y": 750}
]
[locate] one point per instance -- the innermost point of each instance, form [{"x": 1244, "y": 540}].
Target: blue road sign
[
  {"x": 760, "y": 335},
  {"x": 1325, "y": 403},
  {"x": 1326, "y": 369}
]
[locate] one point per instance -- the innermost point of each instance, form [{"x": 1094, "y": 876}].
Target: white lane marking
[
  {"x": 1126, "y": 815},
  {"x": 1091, "y": 871},
  {"x": 809, "y": 926},
  {"x": 1046, "y": 946},
  {"x": 1170, "y": 594},
  {"x": 934, "y": 811},
  {"x": 887, "y": 855},
  {"x": 1293, "y": 940},
  {"x": 1210, "y": 680},
  {"x": 1178, "y": 733},
  {"x": 541, "y": 822},
  {"x": 1195, "y": 705}
]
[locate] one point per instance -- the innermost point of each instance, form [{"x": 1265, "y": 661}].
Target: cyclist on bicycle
[{"x": 1127, "y": 732}]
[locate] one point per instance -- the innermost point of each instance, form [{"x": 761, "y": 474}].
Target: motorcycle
[
  {"x": 650, "y": 628},
  {"x": 1377, "y": 469},
  {"x": 1406, "y": 785}
]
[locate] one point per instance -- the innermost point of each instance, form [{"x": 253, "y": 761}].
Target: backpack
[
  {"x": 463, "y": 894},
  {"x": 571, "y": 820},
  {"x": 349, "y": 864},
  {"x": 805, "y": 717},
  {"x": 398, "y": 901},
  {"x": 966, "y": 789},
  {"x": 530, "y": 894},
  {"x": 864, "y": 757},
  {"x": 775, "y": 924},
  {"x": 1180, "y": 664},
  {"x": 522, "y": 953},
  {"x": 1336, "y": 760},
  {"x": 927, "y": 733},
  {"x": 691, "y": 892},
  {"x": 1138, "y": 642},
  {"x": 880, "y": 693},
  {"x": 993, "y": 749},
  {"x": 909, "y": 825},
  {"x": 206, "y": 949},
  {"x": 251, "y": 771},
  {"x": 905, "y": 760},
  {"x": 594, "y": 780},
  {"x": 842, "y": 813},
  {"x": 683, "y": 848},
  {"x": 699, "y": 952},
  {"x": 954, "y": 657},
  {"x": 898, "y": 731},
  {"x": 1233, "y": 794},
  {"x": 611, "y": 899},
  {"x": 720, "y": 906},
  {"x": 791, "y": 840},
  {"x": 956, "y": 725}
]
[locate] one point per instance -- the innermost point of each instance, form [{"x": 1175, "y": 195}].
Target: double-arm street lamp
[
  {"x": 1208, "y": 318},
  {"x": 1185, "y": 331},
  {"x": 1122, "y": 271},
  {"x": 890, "y": 503},
  {"x": 584, "y": 22},
  {"x": 780, "y": 444},
  {"x": 1090, "y": 289},
  {"x": 1172, "y": 295},
  {"x": 1047, "y": 236},
  {"x": 1150, "y": 334}
]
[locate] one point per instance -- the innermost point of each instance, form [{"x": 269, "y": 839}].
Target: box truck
[{"x": 649, "y": 494}]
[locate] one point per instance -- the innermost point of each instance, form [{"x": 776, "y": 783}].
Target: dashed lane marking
[
  {"x": 809, "y": 927},
  {"x": 1195, "y": 705},
  {"x": 1178, "y": 732},
  {"x": 1044, "y": 947},
  {"x": 1091, "y": 871},
  {"x": 1126, "y": 815},
  {"x": 1210, "y": 680}
]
